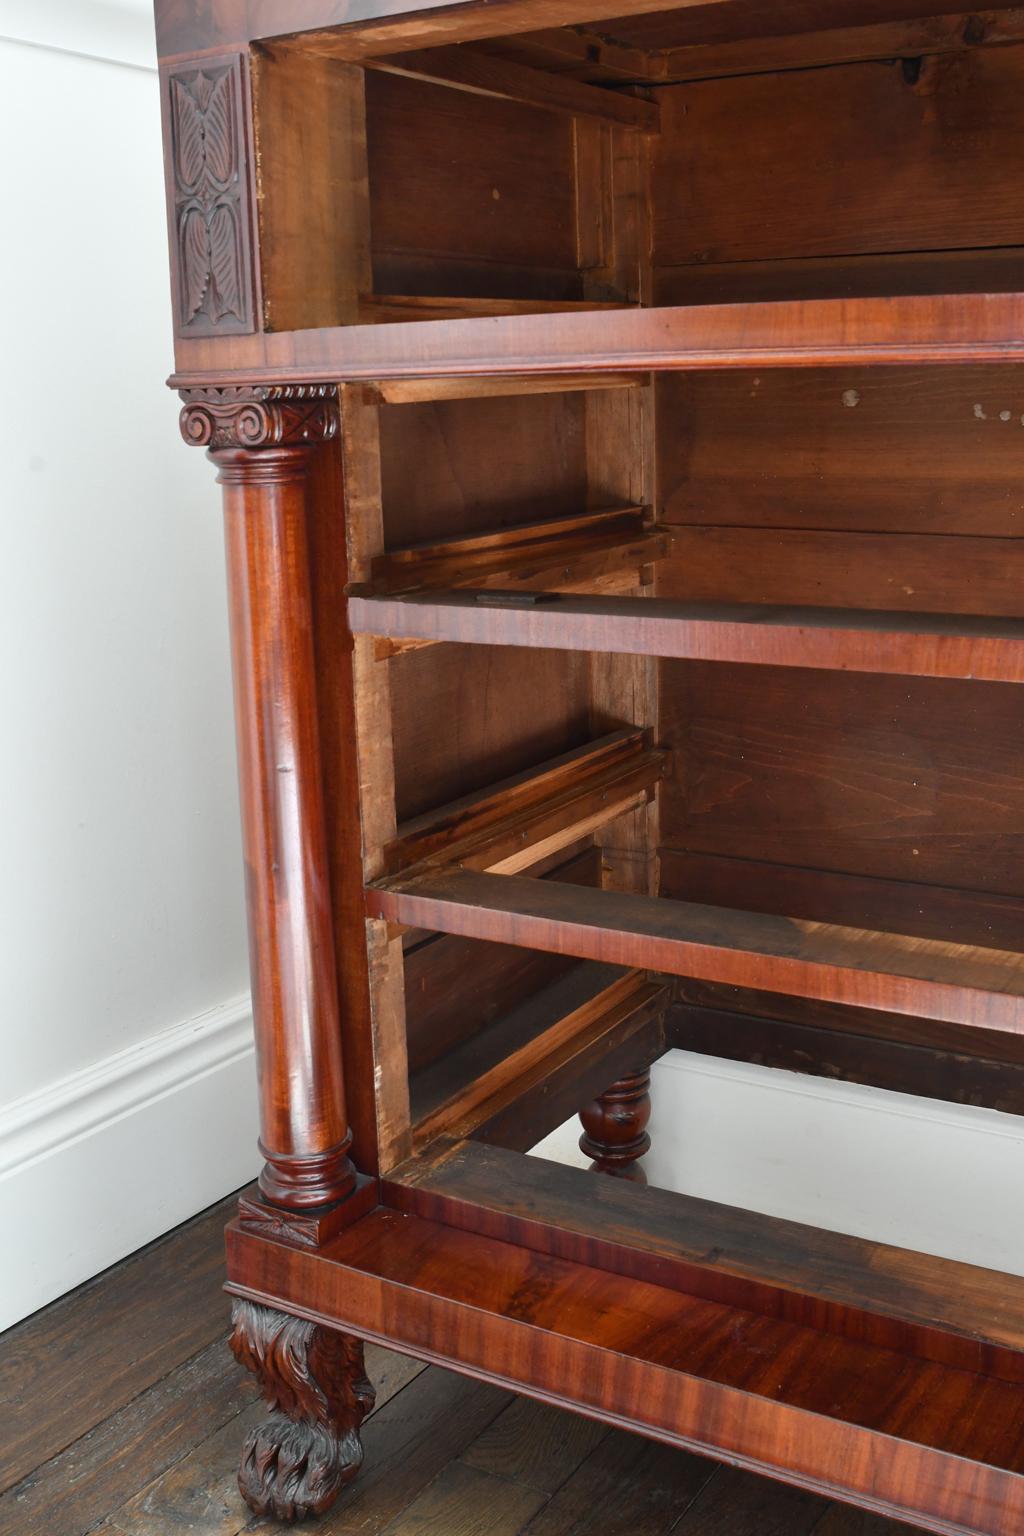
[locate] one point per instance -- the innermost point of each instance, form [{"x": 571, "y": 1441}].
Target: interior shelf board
[
  {"x": 513, "y": 824},
  {"x": 928, "y": 978},
  {"x": 822, "y": 1411},
  {"x": 957, "y": 1314},
  {"x": 834, "y": 639}
]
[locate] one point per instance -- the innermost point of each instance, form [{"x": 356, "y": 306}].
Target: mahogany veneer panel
[
  {"x": 954, "y": 1313},
  {"x": 928, "y": 645},
  {"x": 972, "y": 327},
  {"x": 825, "y": 1411},
  {"x": 953, "y": 982}
]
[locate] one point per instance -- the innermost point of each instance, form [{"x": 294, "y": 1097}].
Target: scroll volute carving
[{"x": 260, "y": 416}]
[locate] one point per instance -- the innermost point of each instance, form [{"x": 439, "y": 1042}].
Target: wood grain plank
[
  {"x": 534, "y": 1053},
  {"x": 640, "y": 1489},
  {"x": 464, "y": 717},
  {"x": 957, "y": 983},
  {"x": 467, "y": 181},
  {"x": 116, "y": 1336},
  {"x": 535, "y": 1444},
  {"x": 463, "y": 1501},
  {"x": 833, "y": 639},
  {"x": 901, "y": 39},
  {"x": 885, "y": 450},
  {"x": 917, "y": 573},
  {"x": 513, "y": 824},
  {"x": 416, "y": 391},
  {"x": 483, "y": 74},
  {"x": 919, "y": 782},
  {"x": 934, "y": 328},
  {"x": 744, "y": 1505},
  {"x": 895, "y": 906},
  {"x": 418, "y": 24},
  {"x": 310, "y": 125},
  {"x": 200, "y": 1492},
  {"x": 528, "y": 556},
  {"x": 875, "y": 275},
  {"x": 846, "y": 1056},
  {"x": 759, "y": 155},
  {"x": 438, "y": 457},
  {"x": 933, "y": 1308},
  {"x": 104, "y": 1469}
]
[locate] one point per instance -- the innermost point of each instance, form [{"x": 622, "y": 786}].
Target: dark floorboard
[{"x": 122, "y": 1411}]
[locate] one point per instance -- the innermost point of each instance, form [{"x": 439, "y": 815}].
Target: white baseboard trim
[
  {"x": 916, "y": 1173},
  {"x": 111, "y": 1157}
]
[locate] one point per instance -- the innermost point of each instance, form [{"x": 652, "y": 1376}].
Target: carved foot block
[{"x": 298, "y": 1461}]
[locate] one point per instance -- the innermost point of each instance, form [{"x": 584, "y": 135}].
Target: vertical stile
[{"x": 360, "y": 428}]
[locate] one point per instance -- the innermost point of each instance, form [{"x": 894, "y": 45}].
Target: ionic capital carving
[{"x": 259, "y": 416}]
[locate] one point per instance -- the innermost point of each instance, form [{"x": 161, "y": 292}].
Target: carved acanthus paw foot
[
  {"x": 292, "y": 1471},
  {"x": 298, "y": 1461}
]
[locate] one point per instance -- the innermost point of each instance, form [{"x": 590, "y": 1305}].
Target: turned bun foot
[
  {"x": 296, "y": 1463},
  {"x": 615, "y": 1127}
]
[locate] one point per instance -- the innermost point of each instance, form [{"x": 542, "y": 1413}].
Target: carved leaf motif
[
  {"x": 220, "y": 131},
  {"x": 211, "y": 198},
  {"x": 195, "y": 263},
  {"x": 190, "y": 152},
  {"x": 225, "y": 264}
]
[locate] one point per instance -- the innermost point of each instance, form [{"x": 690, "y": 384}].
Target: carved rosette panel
[
  {"x": 296, "y": 1463},
  {"x": 212, "y": 216},
  {"x": 259, "y": 416}
]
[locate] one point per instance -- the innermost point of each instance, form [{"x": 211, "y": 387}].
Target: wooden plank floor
[{"x": 122, "y": 1412}]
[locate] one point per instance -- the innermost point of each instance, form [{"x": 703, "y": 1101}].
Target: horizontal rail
[
  {"x": 483, "y": 74},
  {"x": 928, "y": 978},
  {"x": 511, "y": 1070},
  {"x": 513, "y": 824},
  {"x": 834, "y": 639},
  {"x": 930, "y": 328}
]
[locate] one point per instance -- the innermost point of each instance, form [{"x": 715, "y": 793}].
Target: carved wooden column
[
  {"x": 262, "y": 441},
  {"x": 615, "y": 1127}
]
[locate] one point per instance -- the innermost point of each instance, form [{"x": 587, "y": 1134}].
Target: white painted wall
[
  {"x": 887, "y": 1166},
  {"x": 123, "y": 972}
]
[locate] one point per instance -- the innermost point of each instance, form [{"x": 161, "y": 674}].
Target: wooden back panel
[
  {"x": 892, "y": 802},
  {"x": 859, "y": 158},
  {"x": 468, "y": 196}
]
